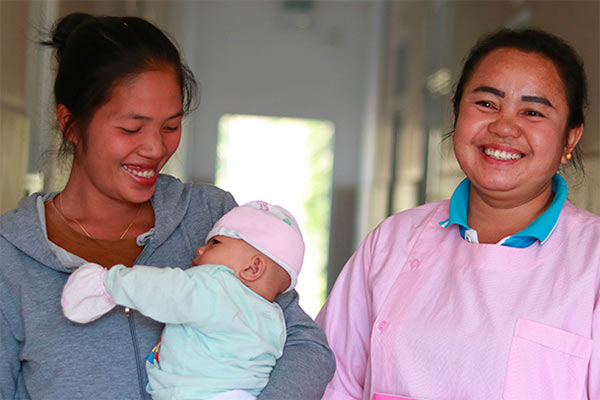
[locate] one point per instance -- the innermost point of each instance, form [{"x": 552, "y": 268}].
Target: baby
[{"x": 223, "y": 331}]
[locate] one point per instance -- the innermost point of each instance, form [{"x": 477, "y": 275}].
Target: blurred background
[{"x": 335, "y": 110}]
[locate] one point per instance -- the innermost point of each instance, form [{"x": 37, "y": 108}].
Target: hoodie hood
[
  {"x": 24, "y": 230},
  {"x": 170, "y": 202}
]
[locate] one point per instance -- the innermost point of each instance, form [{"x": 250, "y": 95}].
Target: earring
[{"x": 569, "y": 156}]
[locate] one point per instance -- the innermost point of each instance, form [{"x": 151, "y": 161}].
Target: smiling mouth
[
  {"x": 501, "y": 154},
  {"x": 148, "y": 173}
]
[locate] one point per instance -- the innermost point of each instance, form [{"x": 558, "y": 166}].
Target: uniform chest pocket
[{"x": 546, "y": 363}]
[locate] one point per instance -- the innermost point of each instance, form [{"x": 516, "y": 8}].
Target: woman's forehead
[{"x": 529, "y": 71}]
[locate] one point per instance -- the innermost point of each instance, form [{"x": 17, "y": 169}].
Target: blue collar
[{"x": 540, "y": 229}]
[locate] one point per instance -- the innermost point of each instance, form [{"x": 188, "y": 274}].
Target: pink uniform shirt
[{"x": 419, "y": 312}]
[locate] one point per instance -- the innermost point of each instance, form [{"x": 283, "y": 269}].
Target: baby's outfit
[{"x": 221, "y": 339}]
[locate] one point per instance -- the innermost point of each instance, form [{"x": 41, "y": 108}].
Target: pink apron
[{"x": 420, "y": 342}]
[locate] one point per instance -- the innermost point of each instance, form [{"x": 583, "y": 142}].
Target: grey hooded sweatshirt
[{"x": 45, "y": 356}]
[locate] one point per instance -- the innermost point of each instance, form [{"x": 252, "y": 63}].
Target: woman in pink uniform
[{"x": 495, "y": 293}]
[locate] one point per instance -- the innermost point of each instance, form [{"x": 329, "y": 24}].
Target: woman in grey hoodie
[{"x": 121, "y": 91}]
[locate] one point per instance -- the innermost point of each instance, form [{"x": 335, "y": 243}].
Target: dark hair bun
[{"x": 63, "y": 29}]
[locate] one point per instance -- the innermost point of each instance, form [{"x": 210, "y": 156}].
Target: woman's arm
[
  {"x": 307, "y": 363},
  {"x": 346, "y": 319},
  {"x": 594, "y": 368},
  {"x": 10, "y": 365}
]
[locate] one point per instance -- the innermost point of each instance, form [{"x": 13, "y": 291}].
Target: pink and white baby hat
[{"x": 270, "y": 229}]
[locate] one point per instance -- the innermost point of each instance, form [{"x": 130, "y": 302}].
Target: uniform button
[
  {"x": 414, "y": 264},
  {"x": 471, "y": 236},
  {"x": 382, "y": 326}
]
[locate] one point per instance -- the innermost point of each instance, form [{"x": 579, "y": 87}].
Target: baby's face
[{"x": 223, "y": 250}]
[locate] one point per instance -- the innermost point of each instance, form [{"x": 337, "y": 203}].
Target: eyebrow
[
  {"x": 500, "y": 93},
  {"x": 488, "y": 89},
  {"x": 536, "y": 99},
  {"x": 145, "y": 118}
]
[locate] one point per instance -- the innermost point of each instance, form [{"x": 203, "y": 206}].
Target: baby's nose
[{"x": 200, "y": 250}]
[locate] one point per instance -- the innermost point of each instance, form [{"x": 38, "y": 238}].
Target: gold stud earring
[{"x": 568, "y": 156}]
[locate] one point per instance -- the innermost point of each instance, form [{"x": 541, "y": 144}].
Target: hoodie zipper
[
  {"x": 136, "y": 351},
  {"x": 141, "y": 240}
]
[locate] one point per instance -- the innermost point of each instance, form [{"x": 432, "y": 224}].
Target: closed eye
[
  {"x": 130, "y": 131},
  {"x": 214, "y": 241},
  {"x": 171, "y": 128}
]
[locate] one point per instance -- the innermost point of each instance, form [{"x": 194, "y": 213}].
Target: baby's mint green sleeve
[{"x": 168, "y": 295}]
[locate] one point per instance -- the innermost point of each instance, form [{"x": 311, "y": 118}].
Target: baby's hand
[{"x": 84, "y": 298}]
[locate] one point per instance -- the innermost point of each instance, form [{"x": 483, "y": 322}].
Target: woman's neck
[
  {"x": 102, "y": 217},
  {"x": 495, "y": 218}
]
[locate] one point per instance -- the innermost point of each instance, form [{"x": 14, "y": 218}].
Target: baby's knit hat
[{"x": 270, "y": 229}]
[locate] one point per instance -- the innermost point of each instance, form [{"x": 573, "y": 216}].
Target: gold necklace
[{"x": 69, "y": 220}]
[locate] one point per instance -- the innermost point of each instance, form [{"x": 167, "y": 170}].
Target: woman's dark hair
[
  {"x": 564, "y": 57},
  {"x": 96, "y": 53}
]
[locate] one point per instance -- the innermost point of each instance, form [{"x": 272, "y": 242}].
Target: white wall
[{"x": 251, "y": 58}]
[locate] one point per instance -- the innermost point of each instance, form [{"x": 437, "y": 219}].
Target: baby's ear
[{"x": 255, "y": 269}]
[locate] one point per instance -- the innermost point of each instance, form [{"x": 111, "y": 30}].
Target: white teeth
[
  {"x": 149, "y": 173},
  {"x": 502, "y": 155}
]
